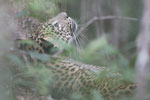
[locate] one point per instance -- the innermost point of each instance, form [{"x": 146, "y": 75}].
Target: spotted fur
[
  {"x": 53, "y": 33},
  {"x": 71, "y": 76}
]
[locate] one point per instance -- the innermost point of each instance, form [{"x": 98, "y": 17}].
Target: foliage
[
  {"x": 97, "y": 52},
  {"x": 100, "y": 52},
  {"x": 33, "y": 75},
  {"x": 46, "y": 8}
]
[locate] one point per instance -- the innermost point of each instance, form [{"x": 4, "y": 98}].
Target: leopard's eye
[{"x": 56, "y": 25}]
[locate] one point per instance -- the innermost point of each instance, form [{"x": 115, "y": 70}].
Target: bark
[
  {"x": 143, "y": 60},
  {"x": 7, "y": 32},
  {"x": 116, "y": 24}
]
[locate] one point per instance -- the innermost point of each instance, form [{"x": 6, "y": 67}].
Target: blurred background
[{"x": 113, "y": 32}]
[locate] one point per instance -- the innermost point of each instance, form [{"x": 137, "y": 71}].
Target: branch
[{"x": 103, "y": 18}]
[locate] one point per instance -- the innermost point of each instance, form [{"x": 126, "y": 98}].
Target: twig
[{"x": 103, "y": 18}]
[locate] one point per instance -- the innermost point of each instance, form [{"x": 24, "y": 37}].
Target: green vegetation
[{"x": 98, "y": 51}]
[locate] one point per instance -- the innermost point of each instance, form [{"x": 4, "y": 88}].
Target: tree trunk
[
  {"x": 90, "y": 9},
  {"x": 116, "y": 24},
  {"x": 143, "y": 60}
]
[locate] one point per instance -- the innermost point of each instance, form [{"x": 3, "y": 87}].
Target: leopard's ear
[{"x": 60, "y": 16}]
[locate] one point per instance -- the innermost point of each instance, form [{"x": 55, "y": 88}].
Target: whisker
[
  {"x": 75, "y": 38},
  {"x": 82, "y": 40},
  {"x": 78, "y": 44}
]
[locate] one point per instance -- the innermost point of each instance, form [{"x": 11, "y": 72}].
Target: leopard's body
[{"x": 71, "y": 76}]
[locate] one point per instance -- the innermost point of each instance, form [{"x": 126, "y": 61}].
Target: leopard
[
  {"x": 51, "y": 34},
  {"x": 71, "y": 76}
]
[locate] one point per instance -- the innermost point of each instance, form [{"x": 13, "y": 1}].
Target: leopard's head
[{"x": 60, "y": 27}]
